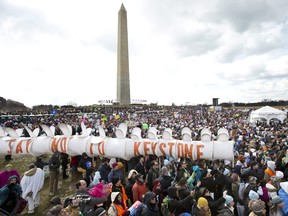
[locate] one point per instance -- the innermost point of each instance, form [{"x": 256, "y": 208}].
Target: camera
[{"x": 83, "y": 198}]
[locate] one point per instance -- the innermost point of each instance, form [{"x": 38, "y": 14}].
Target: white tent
[{"x": 267, "y": 113}]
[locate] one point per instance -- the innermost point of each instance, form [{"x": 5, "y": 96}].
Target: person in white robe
[{"x": 31, "y": 184}]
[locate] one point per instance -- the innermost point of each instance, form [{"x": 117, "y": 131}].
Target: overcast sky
[{"x": 58, "y": 52}]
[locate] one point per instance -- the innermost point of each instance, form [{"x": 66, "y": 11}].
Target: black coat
[
  {"x": 214, "y": 205},
  {"x": 54, "y": 162},
  {"x": 165, "y": 182},
  {"x": 104, "y": 170},
  {"x": 176, "y": 205},
  {"x": 209, "y": 183}
]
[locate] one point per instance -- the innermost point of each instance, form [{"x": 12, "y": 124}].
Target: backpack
[{"x": 165, "y": 207}]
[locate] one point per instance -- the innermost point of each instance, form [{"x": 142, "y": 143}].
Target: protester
[
  {"x": 150, "y": 207},
  {"x": 152, "y": 174},
  {"x": 182, "y": 171},
  {"x": 31, "y": 184},
  {"x": 165, "y": 180},
  {"x": 89, "y": 176},
  {"x": 117, "y": 207},
  {"x": 158, "y": 192},
  {"x": 202, "y": 208},
  {"x": 54, "y": 164},
  {"x": 139, "y": 188},
  {"x": 228, "y": 209},
  {"x": 64, "y": 158},
  {"x": 141, "y": 167},
  {"x": 84, "y": 163},
  {"x": 115, "y": 172},
  {"x": 257, "y": 208},
  {"x": 10, "y": 195},
  {"x": 283, "y": 194},
  {"x": 5, "y": 175},
  {"x": 213, "y": 204},
  {"x": 118, "y": 187},
  {"x": 270, "y": 171},
  {"x": 104, "y": 169},
  {"x": 276, "y": 206},
  {"x": 129, "y": 185},
  {"x": 176, "y": 205},
  {"x": 40, "y": 163}
]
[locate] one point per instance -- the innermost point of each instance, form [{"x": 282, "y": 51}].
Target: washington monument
[{"x": 123, "y": 83}]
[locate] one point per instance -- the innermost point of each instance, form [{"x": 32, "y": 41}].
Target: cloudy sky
[{"x": 189, "y": 51}]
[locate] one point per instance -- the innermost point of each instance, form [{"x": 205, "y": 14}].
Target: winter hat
[
  {"x": 271, "y": 164},
  {"x": 99, "y": 211},
  {"x": 131, "y": 173},
  {"x": 13, "y": 177},
  {"x": 276, "y": 200},
  {"x": 253, "y": 195},
  {"x": 120, "y": 165},
  {"x": 279, "y": 174},
  {"x": 114, "y": 195},
  {"x": 114, "y": 165},
  {"x": 137, "y": 176},
  {"x": 112, "y": 160},
  {"x": 185, "y": 214},
  {"x": 226, "y": 172},
  {"x": 148, "y": 196},
  {"x": 202, "y": 202},
  {"x": 229, "y": 199},
  {"x": 166, "y": 162},
  {"x": 257, "y": 206}
]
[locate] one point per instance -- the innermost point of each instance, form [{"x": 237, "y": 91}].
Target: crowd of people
[{"x": 255, "y": 183}]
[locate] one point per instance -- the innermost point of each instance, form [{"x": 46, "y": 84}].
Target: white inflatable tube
[{"x": 124, "y": 148}]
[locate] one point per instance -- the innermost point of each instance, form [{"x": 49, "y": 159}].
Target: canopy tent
[{"x": 267, "y": 113}]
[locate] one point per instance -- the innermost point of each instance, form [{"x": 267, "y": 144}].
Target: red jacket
[{"x": 138, "y": 191}]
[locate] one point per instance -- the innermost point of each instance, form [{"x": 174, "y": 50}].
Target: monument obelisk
[{"x": 123, "y": 83}]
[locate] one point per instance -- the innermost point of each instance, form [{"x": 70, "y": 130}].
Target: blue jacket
[{"x": 284, "y": 196}]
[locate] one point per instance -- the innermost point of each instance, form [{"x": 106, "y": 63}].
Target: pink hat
[{"x": 114, "y": 165}]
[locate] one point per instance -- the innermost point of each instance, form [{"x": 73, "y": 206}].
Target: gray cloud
[
  {"x": 25, "y": 22},
  {"x": 244, "y": 15}
]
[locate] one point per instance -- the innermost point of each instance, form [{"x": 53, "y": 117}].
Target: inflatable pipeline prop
[{"x": 11, "y": 143}]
